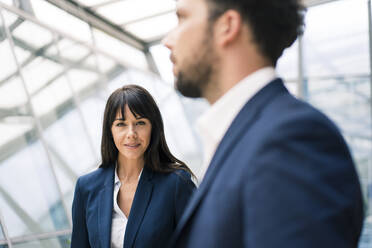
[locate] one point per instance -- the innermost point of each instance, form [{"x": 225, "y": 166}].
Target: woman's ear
[{"x": 228, "y": 28}]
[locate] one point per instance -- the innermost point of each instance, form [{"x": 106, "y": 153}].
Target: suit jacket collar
[
  {"x": 248, "y": 114},
  {"x": 105, "y": 206},
  {"x": 140, "y": 203},
  {"x": 139, "y": 206}
]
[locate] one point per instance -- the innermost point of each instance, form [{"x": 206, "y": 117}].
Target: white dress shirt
[
  {"x": 119, "y": 220},
  {"x": 213, "y": 124}
]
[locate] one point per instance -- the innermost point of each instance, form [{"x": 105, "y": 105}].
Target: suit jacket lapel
[
  {"x": 139, "y": 206},
  {"x": 105, "y": 206},
  {"x": 244, "y": 119}
]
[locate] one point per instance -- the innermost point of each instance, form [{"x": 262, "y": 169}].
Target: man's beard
[{"x": 193, "y": 80}]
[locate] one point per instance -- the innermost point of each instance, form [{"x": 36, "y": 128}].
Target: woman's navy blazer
[{"x": 158, "y": 204}]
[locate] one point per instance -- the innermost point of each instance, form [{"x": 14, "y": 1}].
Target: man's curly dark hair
[{"x": 275, "y": 24}]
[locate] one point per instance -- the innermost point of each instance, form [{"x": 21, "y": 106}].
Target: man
[{"x": 280, "y": 173}]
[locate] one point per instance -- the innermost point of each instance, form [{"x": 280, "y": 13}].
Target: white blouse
[{"x": 119, "y": 220}]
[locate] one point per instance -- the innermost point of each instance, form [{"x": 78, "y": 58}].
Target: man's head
[{"x": 212, "y": 35}]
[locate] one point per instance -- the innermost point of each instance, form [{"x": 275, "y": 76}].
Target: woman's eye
[
  {"x": 141, "y": 123},
  {"x": 120, "y": 124}
]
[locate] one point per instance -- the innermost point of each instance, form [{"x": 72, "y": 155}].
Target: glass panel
[
  {"x": 8, "y": 66},
  {"x": 51, "y": 97},
  {"x": 161, "y": 56},
  {"x": 11, "y": 128},
  {"x": 1, "y": 233},
  {"x": 40, "y": 73},
  {"x": 71, "y": 51},
  {"x": 81, "y": 79},
  {"x": 153, "y": 28},
  {"x": 105, "y": 64},
  {"x": 8, "y": 2},
  {"x": 337, "y": 45},
  {"x": 292, "y": 87},
  {"x": 32, "y": 34},
  {"x": 61, "y": 20},
  {"x": 3, "y": 246},
  {"x": 27, "y": 205},
  {"x": 287, "y": 66},
  {"x": 124, "y": 11},
  {"x": 12, "y": 93},
  {"x": 9, "y": 18},
  {"x": 59, "y": 242},
  {"x": 336, "y": 53},
  {"x": 119, "y": 50}
]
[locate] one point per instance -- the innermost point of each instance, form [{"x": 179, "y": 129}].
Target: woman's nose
[{"x": 132, "y": 132}]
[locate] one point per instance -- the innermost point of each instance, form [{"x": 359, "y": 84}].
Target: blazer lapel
[
  {"x": 140, "y": 203},
  {"x": 244, "y": 119},
  {"x": 105, "y": 206}
]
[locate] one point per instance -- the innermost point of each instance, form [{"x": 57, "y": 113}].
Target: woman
[{"x": 140, "y": 190}]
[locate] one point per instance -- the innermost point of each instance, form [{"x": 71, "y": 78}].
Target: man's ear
[{"x": 228, "y": 27}]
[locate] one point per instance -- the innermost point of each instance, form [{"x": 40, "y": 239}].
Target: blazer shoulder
[
  {"x": 175, "y": 178},
  {"x": 92, "y": 179},
  {"x": 183, "y": 178},
  {"x": 289, "y": 109},
  {"x": 181, "y": 175}
]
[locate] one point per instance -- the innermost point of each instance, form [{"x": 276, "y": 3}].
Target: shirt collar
[
  {"x": 221, "y": 113},
  {"x": 213, "y": 124},
  {"x": 117, "y": 180}
]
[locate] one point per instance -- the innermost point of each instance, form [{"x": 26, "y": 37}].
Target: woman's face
[{"x": 132, "y": 135}]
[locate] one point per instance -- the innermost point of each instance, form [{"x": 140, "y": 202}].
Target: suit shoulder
[
  {"x": 93, "y": 175},
  {"x": 176, "y": 177},
  {"x": 181, "y": 175},
  {"x": 184, "y": 178},
  {"x": 287, "y": 109},
  {"x": 92, "y": 179}
]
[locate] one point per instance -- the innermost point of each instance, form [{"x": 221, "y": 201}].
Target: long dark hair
[{"x": 157, "y": 155}]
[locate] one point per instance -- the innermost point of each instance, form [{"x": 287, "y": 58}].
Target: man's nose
[{"x": 166, "y": 41}]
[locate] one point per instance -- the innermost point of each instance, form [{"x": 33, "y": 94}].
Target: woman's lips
[{"x": 132, "y": 146}]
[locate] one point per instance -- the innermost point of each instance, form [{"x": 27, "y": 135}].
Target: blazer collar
[
  {"x": 248, "y": 114},
  {"x": 105, "y": 206},
  {"x": 140, "y": 203}
]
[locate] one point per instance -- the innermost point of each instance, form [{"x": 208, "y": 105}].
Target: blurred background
[{"x": 60, "y": 60}]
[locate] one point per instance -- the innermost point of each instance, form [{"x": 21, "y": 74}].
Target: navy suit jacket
[
  {"x": 158, "y": 204},
  {"x": 282, "y": 176}
]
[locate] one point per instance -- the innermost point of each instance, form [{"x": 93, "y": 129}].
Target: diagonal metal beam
[{"x": 90, "y": 16}]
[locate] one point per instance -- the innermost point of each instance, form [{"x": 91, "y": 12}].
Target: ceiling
[{"x": 140, "y": 23}]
